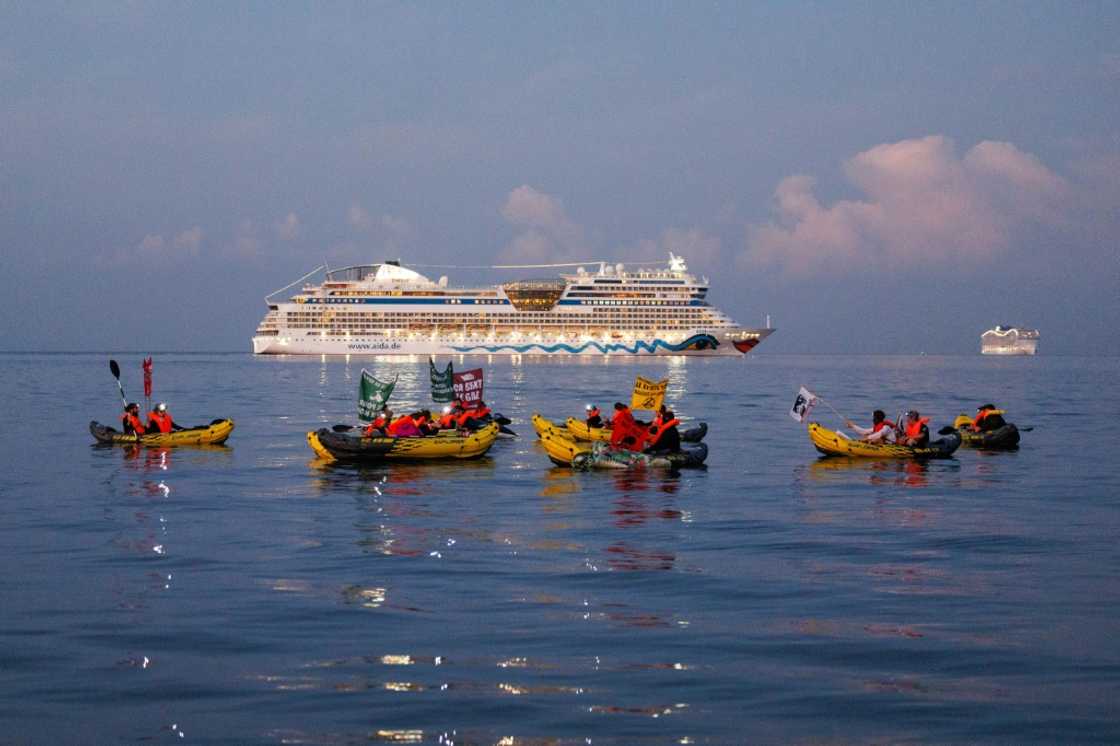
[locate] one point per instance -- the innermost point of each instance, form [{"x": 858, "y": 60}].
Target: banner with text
[
  {"x": 443, "y": 389},
  {"x": 468, "y": 387},
  {"x": 648, "y": 394},
  {"x": 372, "y": 395}
]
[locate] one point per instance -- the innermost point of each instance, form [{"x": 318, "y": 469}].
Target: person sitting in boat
[
  {"x": 130, "y": 420},
  {"x": 405, "y": 427},
  {"x": 159, "y": 420},
  {"x": 594, "y": 416},
  {"x": 626, "y": 432},
  {"x": 882, "y": 430},
  {"x": 380, "y": 424},
  {"x": 915, "y": 433},
  {"x": 665, "y": 438},
  {"x": 423, "y": 421},
  {"x": 987, "y": 418},
  {"x": 472, "y": 418},
  {"x": 449, "y": 418}
]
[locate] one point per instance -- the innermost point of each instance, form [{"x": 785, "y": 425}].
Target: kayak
[
  {"x": 542, "y": 426},
  {"x": 335, "y": 446},
  {"x": 580, "y": 431},
  {"x": 561, "y": 449},
  {"x": 1003, "y": 438},
  {"x": 213, "y": 434},
  {"x": 830, "y": 443},
  {"x": 564, "y": 451}
]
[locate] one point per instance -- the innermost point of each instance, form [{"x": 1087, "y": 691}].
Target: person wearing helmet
[
  {"x": 130, "y": 420},
  {"x": 594, "y": 416},
  {"x": 159, "y": 420}
]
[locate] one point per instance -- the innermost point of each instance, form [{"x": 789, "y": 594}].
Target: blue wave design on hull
[{"x": 700, "y": 341}]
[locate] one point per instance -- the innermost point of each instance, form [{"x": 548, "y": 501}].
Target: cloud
[
  {"x": 155, "y": 248},
  {"x": 548, "y": 234},
  {"x": 288, "y": 228},
  {"x": 359, "y": 218},
  {"x": 924, "y": 206},
  {"x": 246, "y": 244},
  {"x": 189, "y": 240}
]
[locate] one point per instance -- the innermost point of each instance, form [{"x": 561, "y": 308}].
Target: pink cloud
[
  {"x": 924, "y": 206},
  {"x": 548, "y": 234}
]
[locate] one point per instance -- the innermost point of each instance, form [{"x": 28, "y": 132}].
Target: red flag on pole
[{"x": 147, "y": 378}]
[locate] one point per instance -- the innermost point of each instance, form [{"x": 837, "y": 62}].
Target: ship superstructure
[
  {"x": 1009, "y": 340},
  {"x": 390, "y": 309}
]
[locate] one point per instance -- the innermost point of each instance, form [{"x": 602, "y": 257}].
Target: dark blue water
[{"x": 249, "y": 594}]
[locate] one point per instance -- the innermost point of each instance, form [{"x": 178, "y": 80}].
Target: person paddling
[
  {"x": 882, "y": 430},
  {"x": 987, "y": 418},
  {"x": 130, "y": 420}
]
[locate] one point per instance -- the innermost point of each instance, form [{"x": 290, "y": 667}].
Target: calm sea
[{"x": 249, "y": 594}]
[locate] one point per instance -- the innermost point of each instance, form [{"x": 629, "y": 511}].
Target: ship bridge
[{"x": 534, "y": 295}]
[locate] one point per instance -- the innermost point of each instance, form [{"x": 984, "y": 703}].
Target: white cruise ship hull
[
  {"x": 697, "y": 343},
  {"x": 1023, "y": 348}
]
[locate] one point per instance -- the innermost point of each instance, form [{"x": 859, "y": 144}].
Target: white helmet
[{"x": 161, "y": 407}]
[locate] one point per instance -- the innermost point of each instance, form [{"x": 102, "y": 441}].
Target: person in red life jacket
[
  {"x": 915, "y": 432},
  {"x": 987, "y": 418},
  {"x": 380, "y": 423},
  {"x": 423, "y": 422},
  {"x": 626, "y": 432},
  {"x": 472, "y": 418},
  {"x": 159, "y": 420},
  {"x": 882, "y": 430},
  {"x": 449, "y": 420},
  {"x": 659, "y": 419},
  {"x": 594, "y": 416},
  {"x": 130, "y": 420},
  {"x": 665, "y": 438},
  {"x": 404, "y": 427}
]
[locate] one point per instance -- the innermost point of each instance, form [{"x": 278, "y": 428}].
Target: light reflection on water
[{"x": 250, "y": 592}]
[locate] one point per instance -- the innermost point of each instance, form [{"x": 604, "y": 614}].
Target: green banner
[
  {"x": 442, "y": 390},
  {"x": 372, "y": 395}
]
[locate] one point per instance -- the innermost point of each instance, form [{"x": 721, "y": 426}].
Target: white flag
[{"x": 803, "y": 404}]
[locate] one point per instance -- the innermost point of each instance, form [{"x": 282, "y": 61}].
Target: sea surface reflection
[{"x": 252, "y": 593}]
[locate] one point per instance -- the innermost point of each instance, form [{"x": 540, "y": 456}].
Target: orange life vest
[
  {"x": 914, "y": 429},
  {"x": 395, "y": 425},
  {"x": 448, "y": 420},
  {"x": 130, "y": 419},
  {"x": 622, "y": 425},
  {"x": 984, "y": 413},
  {"x": 880, "y": 425},
  {"x": 662, "y": 428},
  {"x": 161, "y": 420}
]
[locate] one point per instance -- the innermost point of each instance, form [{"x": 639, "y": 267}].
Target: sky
[{"x": 877, "y": 177}]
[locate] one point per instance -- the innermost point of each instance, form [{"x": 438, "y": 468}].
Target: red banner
[
  {"x": 147, "y": 378},
  {"x": 468, "y": 387}
]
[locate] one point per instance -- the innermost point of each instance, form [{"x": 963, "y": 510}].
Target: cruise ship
[
  {"x": 600, "y": 309},
  {"x": 1009, "y": 340}
]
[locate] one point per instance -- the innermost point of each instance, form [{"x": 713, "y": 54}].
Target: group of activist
[
  {"x": 421, "y": 423},
  {"x": 659, "y": 436}
]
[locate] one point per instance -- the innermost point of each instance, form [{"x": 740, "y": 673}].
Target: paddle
[{"x": 116, "y": 371}]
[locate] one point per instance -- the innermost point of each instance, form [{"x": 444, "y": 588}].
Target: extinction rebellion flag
[
  {"x": 468, "y": 387},
  {"x": 372, "y": 395},
  {"x": 803, "y": 404},
  {"x": 442, "y": 388},
  {"x": 648, "y": 394}
]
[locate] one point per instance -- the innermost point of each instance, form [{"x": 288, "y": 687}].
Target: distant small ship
[{"x": 1009, "y": 340}]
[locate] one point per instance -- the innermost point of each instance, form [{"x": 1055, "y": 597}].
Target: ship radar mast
[{"x": 676, "y": 263}]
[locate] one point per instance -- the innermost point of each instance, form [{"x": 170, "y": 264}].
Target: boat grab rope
[
  {"x": 521, "y": 266},
  {"x": 290, "y": 284}
]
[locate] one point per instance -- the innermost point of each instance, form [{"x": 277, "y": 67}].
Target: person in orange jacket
[
  {"x": 594, "y": 416},
  {"x": 380, "y": 424},
  {"x": 130, "y": 420},
  {"x": 626, "y": 432},
  {"x": 159, "y": 420},
  {"x": 665, "y": 438},
  {"x": 915, "y": 433},
  {"x": 987, "y": 418}
]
